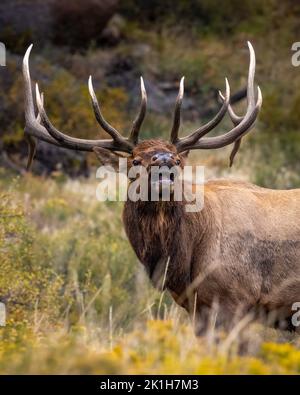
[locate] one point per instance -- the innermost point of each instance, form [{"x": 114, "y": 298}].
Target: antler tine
[
  {"x": 251, "y": 74},
  {"x": 234, "y": 151},
  {"x": 237, "y": 144},
  {"x": 243, "y": 126},
  {"x": 32, "y": 126},
  {"x": 99, "y": 117},
  {"x": 31, "y": 141},
  {"x": 176, "y": 119},
  {"x": 44, "y": 130},
  {"x": 38, "y": 118},
  {"x": 75, "y": 143},
  {"x": 203, "y": 130},
  {"x": 236, "y": 119},
  {"x": 234, "y": 134},
  {"x": 137, "y": 123}
]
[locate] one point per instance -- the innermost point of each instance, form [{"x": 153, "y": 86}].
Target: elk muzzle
[
  {"x": 163, "y": 171},
  {"x": 163, "y": 159}
]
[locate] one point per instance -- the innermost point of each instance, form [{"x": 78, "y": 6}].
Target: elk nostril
[{"x": 135, "y": 162}]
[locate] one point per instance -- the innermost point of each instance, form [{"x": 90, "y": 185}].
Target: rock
[
  {"x": 50, "y": 158},
  {"x": 73, "y": 23},
  {"x": 159, "y": 100},
  {"x": 77, "y": 23},
  {"x": 113, "y": 32},
  {"x": 140, "y": 51},
  {"x": 23, "y": 22}
]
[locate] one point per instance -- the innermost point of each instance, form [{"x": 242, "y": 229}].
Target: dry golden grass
[{"x": 79, "y": 302}]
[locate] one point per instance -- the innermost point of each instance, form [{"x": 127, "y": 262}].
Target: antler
[
  {"x": 41, "y": 127},
  {"x": 137, "y": 123},
  {"x": 241, "y": 124},
  {"x": 235, "y": 120},
  {"x": 195, "y": 136},
  {"x": 176, "y": 120},
  {"x": 134, "y": 134}
]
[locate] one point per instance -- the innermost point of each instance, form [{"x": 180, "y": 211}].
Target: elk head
[{"x": 150, "y": 152}]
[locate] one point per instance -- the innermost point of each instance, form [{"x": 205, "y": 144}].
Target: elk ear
[
  {"x": 108, "y": 158},
  {"x": 184, "y": 154}
]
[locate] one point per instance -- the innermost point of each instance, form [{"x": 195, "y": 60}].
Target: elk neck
[{"x": 162, "y": 232}]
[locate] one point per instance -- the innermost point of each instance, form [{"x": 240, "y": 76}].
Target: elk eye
[
  {"x": 178, "y": 162},
  {"x": 135, "y": 162}
]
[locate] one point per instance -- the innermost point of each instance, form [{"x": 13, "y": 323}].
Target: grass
[{"x": 78, "y": 301}]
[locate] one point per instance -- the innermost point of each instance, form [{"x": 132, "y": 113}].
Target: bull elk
[{"x": 241, "y": 251}]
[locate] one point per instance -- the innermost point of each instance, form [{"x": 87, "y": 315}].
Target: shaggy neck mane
[
  {"x": 161, "y": 232},
  {"x": 159, "y": 220}
]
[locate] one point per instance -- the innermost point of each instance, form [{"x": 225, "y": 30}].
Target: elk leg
[{"x": 218, "y": 317}]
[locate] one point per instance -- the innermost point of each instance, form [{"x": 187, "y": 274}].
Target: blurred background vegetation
[{"x": 77, "y": 299}]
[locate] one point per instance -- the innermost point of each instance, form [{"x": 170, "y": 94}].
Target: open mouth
[
  {"x": 167, "y": 179},
  {"x": 163, "y": 182},
  {"x": 162, "y": 178}
]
